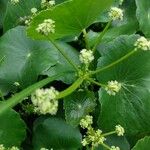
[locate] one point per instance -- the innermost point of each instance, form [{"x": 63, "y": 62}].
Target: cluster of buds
[
  {"x": 12, "y": 148},
  {"x": 96, "y": 137},
  {"x": 45, "y": 101},
  {"x": 142, "y": 43},
  {"x": 47, "y": 27},
  {"x": 113, "y": 87},
  {"x": 27, "y": 19},
  {"x": 47, "y": 4},
  {"x": 86, "y": 57},
  {"x": 116, "y": 13},
  {"x": 14, "y": 2},
  {"x": 46, "y": 149}
]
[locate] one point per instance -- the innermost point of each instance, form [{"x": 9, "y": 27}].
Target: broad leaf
[
  {"x": 143, "y": 144},
  {"x": 130, "y": 107},
  {"x": 55, "y": 133},
  {"x": 143, "y": 15},
  {"x": 15, "y": 12},
  {"x": 12, "y": 129},
  {"x": 69, "y": 19},
  {"x": 77, "y": 105}
]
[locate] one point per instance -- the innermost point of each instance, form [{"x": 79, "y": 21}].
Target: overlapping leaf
[
  {"x": 130, "y": 107},
  {"x": 70, "y": 17}
]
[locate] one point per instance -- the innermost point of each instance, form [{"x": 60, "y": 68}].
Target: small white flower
[
  {"x": 14, "y": 2},
  {"x": 34, "y": 10},
  {"x": 48, "y": 26},
  {"x": 16, "y": 83},
  {"x": 44, "y": 148},
  {"x": 86, "y": 122},
  {"x": 84, "y": 142},
  {"x": 116, "y": 13},
  {"x": 45, "y": 101},
  {"x": 120, "y": 2},
  {"x": 52, "y": 2},
  {"x": 114, "y": 148},
  {"x": 113, "y": 87},
  {"x": 2, "y": 147},
  {"x": 86, "y": 56},
  {"x": 119, "y": 130},
  {"x": 142, "y": 43}
]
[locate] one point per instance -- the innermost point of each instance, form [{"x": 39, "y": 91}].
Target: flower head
[
  {"x": 14, "y": 2},
  {"x": 48, "y": 26},
  {"x": 45, "y": 101},
  {"x": 43, "y": 148},
  {"x": 119, "y": 130},
  {"x": 114, "y": 148},
  {"x": 116, "y": 13},
  {"x": 47, "y": 4},
  {"x": 13, "y": 148},
  {"x": 86, "y": 122},
  {"x": 113, "y": 87},
  {"x": 142, "y": 43},
  {"x": 34, "y": 10},
  {"x": 86, "y": 56}
]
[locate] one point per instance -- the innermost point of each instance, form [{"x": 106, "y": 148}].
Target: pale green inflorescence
[
  {"x": 34, "y": 10},
  {"x": 142, "y": 43},
  {"x": 114, "y": 148},
  {"x": 47, "y": 4},
  {"x": 45, "y": 101},
  {"x": 14, "y": 2},
  {"x": 86, "y": 122},
  {"x": 119, "y": 130},
  {"x": 113, "y": 87},
  {"x": 47, "y": 27},
  {"x": 2, "y": 147},
  {"x": 116, "y": 13},
  {"x": 86, "y": 56}
]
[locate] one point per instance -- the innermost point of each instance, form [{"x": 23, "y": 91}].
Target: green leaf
[
  {"x": 130, "y": 107},
  {"x": 69, "y": 19},
  {"x": 143, "y": 15},
  {"x": 12, "y": 129},
  {"x": 114, "y": 140},
  {"x": 143, "y": 144},
  {"x": 23, "y": 59},
  {"x": 22, "y": 9},
  {"x": 77, "y": 105},
  {"x": 55, "y": 133},
  {"x": 3, "y": 4}
]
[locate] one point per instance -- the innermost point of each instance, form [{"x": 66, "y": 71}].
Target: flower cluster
[
  {"x": 114, "y": 148},
  {"x": 45, "y": 101},
  {"x": 93, "y": 137},
  {"x": 142, "y": 43},
  {"x": 113, "y": 87},
  {"x": 120, "y": 2},
  {"x": 12, "y": 148},
  {"x": 116, "y": 13},
  {"x": 34, "y": 10},
  {"x": 119, "y": 130},
  {"x": 14, "y": 2},
  {"x": 48, "y": 26},
  {"x": 47, "y": 4},
  {"x": 86, "y": 56}
]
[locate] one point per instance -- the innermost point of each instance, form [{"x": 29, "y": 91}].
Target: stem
[
  {"x": 71, "y": 89},
  {"x": 95, "y": 82},
  {"x": 86, "y": 39},
  {"x": 106, "y": 146},
  {"x": 1, "y": 95},
  {"x": 19, "y": 97},
  {"x": 109, "y": 133},
  {"x": 101, "y": 35},
  {"x": 113, "y": 63},
  {"x": 64, "y": 54}
]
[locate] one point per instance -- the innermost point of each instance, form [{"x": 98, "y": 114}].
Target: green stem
[
  {"x": 1, "y": 95},
  {"x": 101, "y": 35},
  {"x": 109, "y": 133},
  {"x": 17, "y": 98},
  {"x": 71, "y": 89},
  {"x": 113, "y": 63},
  {"x": 106, "y": 146},
  {"x": 95, "y": 82},
  {"x": 86, "y": 39},
  {"x": 64, "y": 54}
]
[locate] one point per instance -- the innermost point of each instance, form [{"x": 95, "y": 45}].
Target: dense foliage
[{"x": 75, "y": 74}]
